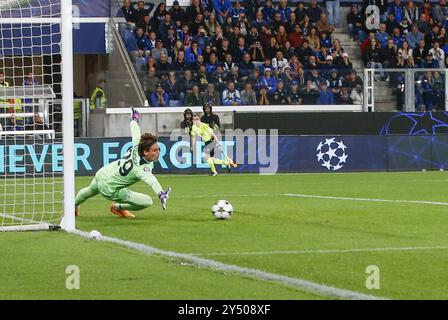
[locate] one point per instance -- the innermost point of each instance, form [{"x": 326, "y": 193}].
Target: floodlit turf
[
  {"x": 110, "y": 272},
  {"x": 269, "y": 231}
]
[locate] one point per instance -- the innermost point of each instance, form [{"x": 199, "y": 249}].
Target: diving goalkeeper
[{"x": 112, "y": 180}]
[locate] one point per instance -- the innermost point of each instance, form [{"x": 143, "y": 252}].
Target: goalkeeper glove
[
  {"x": 163, "y": 196},
  {"x": 135, "y": 115}
]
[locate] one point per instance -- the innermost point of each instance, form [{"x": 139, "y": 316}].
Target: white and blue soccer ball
[{"x": 222, "y": 209}]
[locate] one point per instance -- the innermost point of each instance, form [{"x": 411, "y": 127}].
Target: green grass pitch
[{"x": 325, "y": 241}]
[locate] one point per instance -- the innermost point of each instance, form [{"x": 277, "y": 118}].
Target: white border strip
[
  {"x": 256, "y": 108},
  {"x": 30, "y": 227},
  {"x": 436, "y": 203},
  {"x": 301, "y": 284},
  {"x": 91, "y": 20}
]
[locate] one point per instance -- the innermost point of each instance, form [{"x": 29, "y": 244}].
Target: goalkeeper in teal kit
[{"x": 112, "y": 180}]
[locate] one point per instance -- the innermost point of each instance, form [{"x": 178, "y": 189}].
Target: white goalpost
[{"x": 36, "y": 115}]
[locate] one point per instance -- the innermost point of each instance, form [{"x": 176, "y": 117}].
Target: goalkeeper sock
[
  {"x": 219, "y": 161},
  {"x": 131, "y": 206},
  {"x": 212, "y": 164}
]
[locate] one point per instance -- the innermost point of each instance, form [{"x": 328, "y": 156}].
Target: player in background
[
  {"x": 207, "y": 135},
  {"x": 187, "y": 123},
  {"x": 112, "y": 180}
]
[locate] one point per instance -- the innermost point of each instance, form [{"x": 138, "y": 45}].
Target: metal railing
[
  {"x": 410, "y": 88},
  {"x": 123, "y": 85}
]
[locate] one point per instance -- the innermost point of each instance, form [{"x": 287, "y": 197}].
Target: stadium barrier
[
  {"x": 345, "y": 123},
  {"x": 109, "y": 122},
  {"x": 289, "y": 120},
  {"x": 271, "y": 154}
]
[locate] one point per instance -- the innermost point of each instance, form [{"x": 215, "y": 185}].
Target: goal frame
[
  {"x": 65, "y": 21},
  {"x": 68, "y": 219}
]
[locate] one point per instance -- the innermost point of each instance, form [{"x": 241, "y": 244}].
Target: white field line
[
  {"x": 222, "y": 195},
  {"x": 301, "y": 284},
  {"x": 313, "y": 196},
  {"x": 320, "y": 251},
  {"x": 175, "y": 175}
]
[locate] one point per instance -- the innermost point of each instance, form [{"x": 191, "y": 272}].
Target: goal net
[{"x": 33, "y": 114}]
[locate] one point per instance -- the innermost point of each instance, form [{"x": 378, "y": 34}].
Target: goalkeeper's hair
[{"x": 147, "y": 140}]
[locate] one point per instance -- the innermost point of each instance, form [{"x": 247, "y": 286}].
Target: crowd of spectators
[
  {"x": 240, "y": 53},
  {"x": 410, "y": 35}
]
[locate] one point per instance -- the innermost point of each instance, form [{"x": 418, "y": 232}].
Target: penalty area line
[
  {"x": 297, "y": 283},
  {"x": 313, "y": 196},
  {"x": 321, "y": 251},
  {"x": 237, "y": 195}
]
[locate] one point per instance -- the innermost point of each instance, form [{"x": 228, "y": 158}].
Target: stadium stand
[{"x": 297, "y": 49}]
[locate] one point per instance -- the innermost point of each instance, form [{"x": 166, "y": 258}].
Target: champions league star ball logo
[{"x": 331, "y": 154}]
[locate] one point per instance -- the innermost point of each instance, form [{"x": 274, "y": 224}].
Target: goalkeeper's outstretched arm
[
  {"x": 135, "y": 129},
  {"x": 144, "y": 173},
  {"x": 152, "y": 181}
]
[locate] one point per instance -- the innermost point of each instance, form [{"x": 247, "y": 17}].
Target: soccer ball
[{"x": 222, "y": 209}]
